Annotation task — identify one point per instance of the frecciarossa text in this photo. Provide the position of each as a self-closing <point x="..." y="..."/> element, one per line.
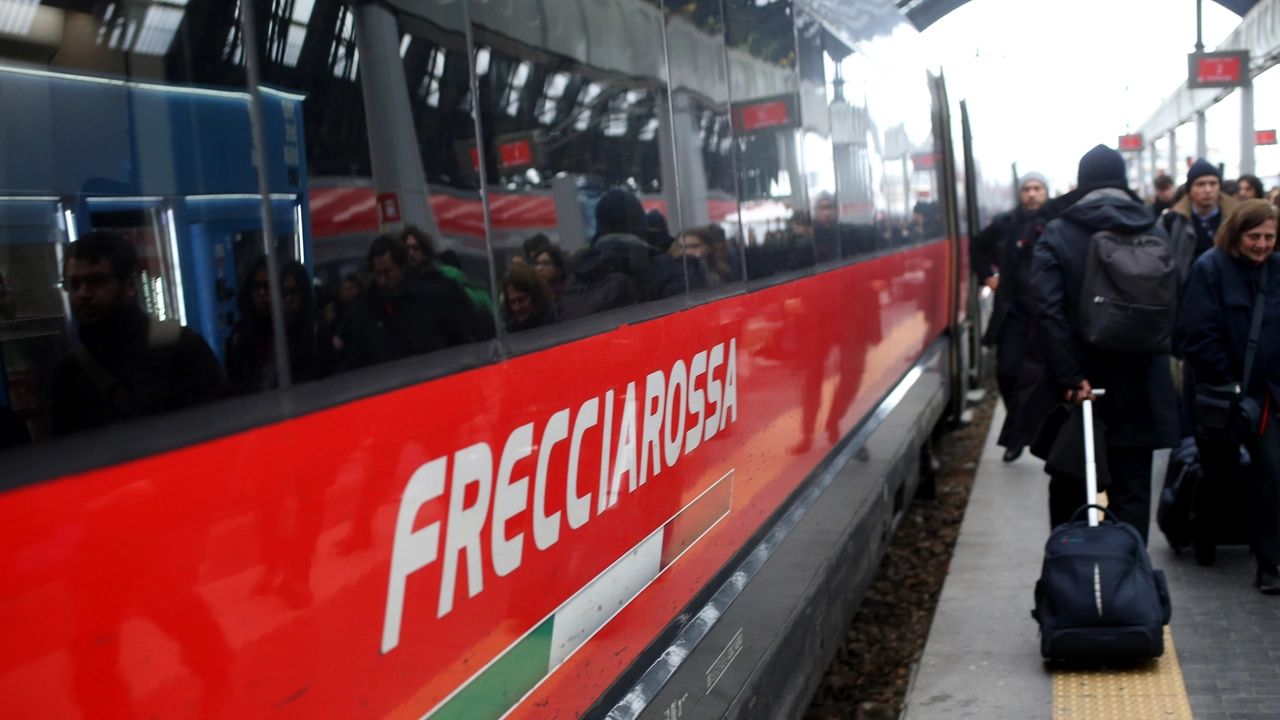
<point x="665" y="415"/>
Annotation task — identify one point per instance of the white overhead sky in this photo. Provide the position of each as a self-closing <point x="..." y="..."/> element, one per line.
<point x="1046" y="80"/>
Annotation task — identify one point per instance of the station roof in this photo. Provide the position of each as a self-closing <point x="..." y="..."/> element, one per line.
<point x="923" y="13"/>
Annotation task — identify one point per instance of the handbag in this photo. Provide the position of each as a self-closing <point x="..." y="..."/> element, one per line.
<point x="1222" y="411"/>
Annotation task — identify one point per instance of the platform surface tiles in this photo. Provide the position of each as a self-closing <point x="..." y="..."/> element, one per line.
<point x="982" y="660"/>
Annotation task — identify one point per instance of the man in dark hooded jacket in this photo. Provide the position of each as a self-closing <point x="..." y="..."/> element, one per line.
<point x="1140" y="407"/>
<point x="1007" y="243"/>
<point x="619" y="268"/>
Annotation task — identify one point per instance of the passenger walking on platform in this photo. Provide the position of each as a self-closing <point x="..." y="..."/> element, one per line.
<point x="1193" y="221"/>
<point x="1140" y="407"/>
<point x="1165" y="192"/>
<point x="1218" y="312"/>
<point x="1007" y="244"/>
<point x="400" y="315"/>
<point x="1249" y="187"/>
<point x="129" y="364"/>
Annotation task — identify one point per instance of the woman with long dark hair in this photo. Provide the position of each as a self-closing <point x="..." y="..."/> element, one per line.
<point x="1235" y="355"/>
<point x="251" y="365"/>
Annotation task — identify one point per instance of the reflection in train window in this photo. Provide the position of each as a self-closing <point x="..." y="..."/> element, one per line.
<point x="706" y="223"/>
<point x="575" y="116"/>
<point x="125" y="208"/>
<point x="768" y="136"/>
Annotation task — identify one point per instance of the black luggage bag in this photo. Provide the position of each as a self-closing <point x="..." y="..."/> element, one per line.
<point x="1098" y="599"/>
<point x="1189" y="517"/>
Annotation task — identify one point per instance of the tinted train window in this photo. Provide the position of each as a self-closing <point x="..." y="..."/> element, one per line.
<point x="705" y="225"/>
<point x="128" y="209"/>
<point x="816" y="159"/>
<point x="891" y="129"/>
<point x="575" y="119"/>
<point x="768" y="138"/>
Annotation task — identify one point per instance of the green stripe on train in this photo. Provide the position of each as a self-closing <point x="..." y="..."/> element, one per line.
<point x="501" y="685"/>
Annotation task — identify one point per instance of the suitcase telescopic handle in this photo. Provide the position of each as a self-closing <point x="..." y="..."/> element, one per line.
<point x="1090" y="463"/>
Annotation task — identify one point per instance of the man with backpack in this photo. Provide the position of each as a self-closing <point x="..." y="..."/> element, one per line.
<point x="1107" y="285"/>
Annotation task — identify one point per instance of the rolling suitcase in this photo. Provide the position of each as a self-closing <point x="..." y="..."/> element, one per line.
<point x="1098" y="600"/>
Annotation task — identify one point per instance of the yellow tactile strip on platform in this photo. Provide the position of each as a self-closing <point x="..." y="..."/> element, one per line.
<point x="1151" y="691"/>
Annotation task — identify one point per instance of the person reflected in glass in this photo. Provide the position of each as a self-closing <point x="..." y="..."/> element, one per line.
<point x="128" y="364"/>
<point x="549" y="265"/>
<point x="351" y="290"/>
<point x="535" y="246"/>
<point x="696" y="248"/>
<point x="528" y="301"/>
<point x="607" y="274"/>
<point x="251" y="355"/>
<point x="430" y="268"/>
<point x="401" y="316"/>
<point x="8" y="310"/>
<point x="826" y="228"/>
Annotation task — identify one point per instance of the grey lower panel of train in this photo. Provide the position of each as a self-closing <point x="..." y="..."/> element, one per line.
<point x="770" y="644"/>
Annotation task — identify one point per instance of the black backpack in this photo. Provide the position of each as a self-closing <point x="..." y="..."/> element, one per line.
<point x="1129" y="299"/>
<point x="1098" y="600"/>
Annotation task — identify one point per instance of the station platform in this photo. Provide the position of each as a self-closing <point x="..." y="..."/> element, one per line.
<point x="982" y="658"/>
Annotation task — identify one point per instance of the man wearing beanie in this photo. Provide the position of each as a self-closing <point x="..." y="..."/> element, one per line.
<point x="1140" y="406"/>
<point x="1006" y="244"/>
<point x="1193" y="222"/>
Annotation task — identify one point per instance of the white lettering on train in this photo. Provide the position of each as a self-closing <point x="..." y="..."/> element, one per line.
<point x="648" y="432"/>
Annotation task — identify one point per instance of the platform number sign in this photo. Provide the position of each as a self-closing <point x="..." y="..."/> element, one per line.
<point x="1266" y="137"/>
<point x="1218" y="69"/>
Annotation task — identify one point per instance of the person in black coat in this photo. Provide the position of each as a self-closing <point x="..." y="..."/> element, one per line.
<point x="129" y="364"/>
<point x="400" y="315"/>
<point x="1216" y="316"/>
<point x="251" y="356"/>
<point x="1140" y="407"/>
<point x="1007" y="244"/>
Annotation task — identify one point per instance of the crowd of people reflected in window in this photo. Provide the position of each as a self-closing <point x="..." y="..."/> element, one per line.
<point x="407" y="300"/>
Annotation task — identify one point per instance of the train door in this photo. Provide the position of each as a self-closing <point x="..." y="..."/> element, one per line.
<point x="973" y="328"/>
<point x="945" y="151"/>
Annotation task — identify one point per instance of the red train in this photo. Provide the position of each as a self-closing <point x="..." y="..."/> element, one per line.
<point x="666" y="510"/>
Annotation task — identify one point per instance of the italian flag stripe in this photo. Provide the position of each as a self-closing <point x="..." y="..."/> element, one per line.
<point x="500" y="686"/>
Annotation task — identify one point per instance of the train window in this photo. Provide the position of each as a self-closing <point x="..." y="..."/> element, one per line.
<point x="767" y="136"/>
<point x="575" y="118"/>
<point x="128" y="204"/>
<point x="706" y="224"/>
<point x="817" y="164"/>
<point x="384" y="278"/>
<point x="892" y="131"/>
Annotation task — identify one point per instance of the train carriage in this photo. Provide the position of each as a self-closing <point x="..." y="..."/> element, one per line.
<point x="665" y="510"/>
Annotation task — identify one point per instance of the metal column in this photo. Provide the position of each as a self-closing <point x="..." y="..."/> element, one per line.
<point x="1247" y="135"/>
<point x="393" y="144"/>
<point x="1173" y="155"/>
<point x="1155" y="171"/>
<point x="1202" y="143"/>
